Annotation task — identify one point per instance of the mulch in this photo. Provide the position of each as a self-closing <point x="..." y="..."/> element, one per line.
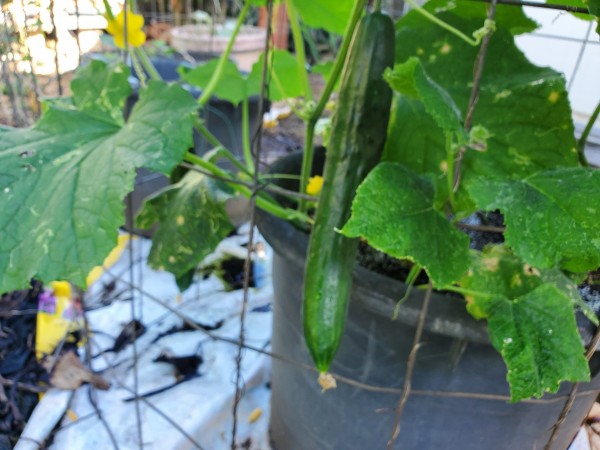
<point x="18" y="364"/>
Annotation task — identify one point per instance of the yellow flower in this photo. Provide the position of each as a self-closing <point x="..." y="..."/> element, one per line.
<point x="314" y="185"/>
<point x="135" y="22"/>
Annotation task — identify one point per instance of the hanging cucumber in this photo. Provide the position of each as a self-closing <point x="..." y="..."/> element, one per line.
<point x="357" y="137"/>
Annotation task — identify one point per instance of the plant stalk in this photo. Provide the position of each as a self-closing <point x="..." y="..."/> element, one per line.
<point x="299" y="49"/>
<point x="450" y="169"/>
<point x="442" y="24"/>
<point x="309" y="136"/>
<point x="137" y="67"/>
<point x="220" y="148"/>
<point x="246" y="136"/>
<point x="147" y="64"/>
<point x="265" y="204"/>
<point x="218" y="73"/>
<point x="586" y="133"/>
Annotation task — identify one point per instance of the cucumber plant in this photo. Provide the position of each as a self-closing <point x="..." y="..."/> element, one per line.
<point x="444" y="157"/>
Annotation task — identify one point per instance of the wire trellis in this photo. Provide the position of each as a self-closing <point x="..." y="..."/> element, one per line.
<point x="22" y="114"/>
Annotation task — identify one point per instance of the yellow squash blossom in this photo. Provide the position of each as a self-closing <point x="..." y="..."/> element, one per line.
<point x="314" y="185"/>
<point x="116" y="27"/>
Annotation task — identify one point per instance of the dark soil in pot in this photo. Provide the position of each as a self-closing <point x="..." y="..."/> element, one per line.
<point x="459" y="397"/>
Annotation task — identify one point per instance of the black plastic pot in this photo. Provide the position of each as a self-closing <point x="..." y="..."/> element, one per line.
<point x="455" y="365"/>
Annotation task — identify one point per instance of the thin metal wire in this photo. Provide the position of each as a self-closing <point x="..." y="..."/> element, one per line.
<point x="134" y="316"/>
<point x="349" y="381"/>
<point x="56" y="62"/>
<point x="580" y="56"/>
<point x="474" y="98"/>
<point x="155" y="409"/>
<point x="249" y="256"/>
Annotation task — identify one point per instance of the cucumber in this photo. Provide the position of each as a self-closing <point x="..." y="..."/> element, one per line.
<point x="357" y="138"/>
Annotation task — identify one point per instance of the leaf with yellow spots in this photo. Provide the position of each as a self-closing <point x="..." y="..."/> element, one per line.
<point x="60" y="216"/>
<point x="531" y="323"/>
<point x="568" y="227"/>
<point x="191" y="222"/>
<point x="523" y="108"/>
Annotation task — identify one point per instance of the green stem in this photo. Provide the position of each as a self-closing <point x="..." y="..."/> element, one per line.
<point x="377" y="6"/>
<point x="219" y="149"/>
<point x="279" y="176"/>
<point x="265" y="203"/>
<point x="299" y="48"/>
<point x="466" y="292"/>
<point x="442" y="24"/>
<point x="307" y="160"/>
<point x="246" y="136"/>
<point x="218" y="73"/>
<point x="205" y="132"/>
<point x="450" y="168"/>
<point x="586" y="133"/>
<point x="138" y="68"/>
<point x="147" y="64"/>
<point x="108" y="11"/>
<point x="310" y="41"/>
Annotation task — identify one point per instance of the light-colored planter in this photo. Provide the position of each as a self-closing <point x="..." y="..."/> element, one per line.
<point x="208" y="40"/>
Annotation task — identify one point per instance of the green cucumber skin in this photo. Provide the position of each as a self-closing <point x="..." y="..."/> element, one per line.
<point x="358" y="135"/>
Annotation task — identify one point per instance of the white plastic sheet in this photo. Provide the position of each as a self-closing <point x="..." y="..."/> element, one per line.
<point x="200" y="407"/>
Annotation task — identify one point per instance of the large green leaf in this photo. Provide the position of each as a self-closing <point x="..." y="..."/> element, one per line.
<point x="530" y="321"/>
<point x="285" y="81"/>
<point x="552" y="218"/>
<point x="394" y="211"/>
<point x="594" y="7"/>
<point x="524" y="108"/>
<point x="62" y="181"/>
<point x="507" y="16"/>
<point x="410" y="79"/>
<point x="327" y="14"/>
<point x="232" y="86"/>
<point x="192" y="221"/>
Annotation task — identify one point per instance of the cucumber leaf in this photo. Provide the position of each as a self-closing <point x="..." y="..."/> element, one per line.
<point x="284" y="79"/>
<point x="329" y="15"/>
<point x="524" y="108"/>
<point x="63" y="180"/>
<point x="410" y="79"/>
<point x="284" y="83"/>
<point x="232" y="86"/>
<point x="394" y="211"/>
<point x="559" y="208"/>
<point x="191" y="221"/>
<point x="594" y="7"/>
<point x="507" y="16"/>
<point x="531" y="323"/>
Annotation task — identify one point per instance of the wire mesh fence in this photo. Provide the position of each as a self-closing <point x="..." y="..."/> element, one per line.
<point x="41" y="46"/>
